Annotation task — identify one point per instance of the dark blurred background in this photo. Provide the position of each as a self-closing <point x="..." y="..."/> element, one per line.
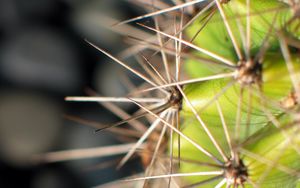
<point x="43" y="58"/>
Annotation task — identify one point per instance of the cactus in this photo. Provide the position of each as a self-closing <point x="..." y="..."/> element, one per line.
<point x="222" y="100"/>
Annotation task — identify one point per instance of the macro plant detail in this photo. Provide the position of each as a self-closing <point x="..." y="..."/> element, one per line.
<point x="219" y="102"/>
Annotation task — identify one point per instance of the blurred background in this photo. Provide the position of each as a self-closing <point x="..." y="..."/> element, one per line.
<point x="43" y="58"/>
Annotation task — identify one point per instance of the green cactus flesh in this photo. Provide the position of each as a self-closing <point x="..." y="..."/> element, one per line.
<point x="268" y="154"/>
